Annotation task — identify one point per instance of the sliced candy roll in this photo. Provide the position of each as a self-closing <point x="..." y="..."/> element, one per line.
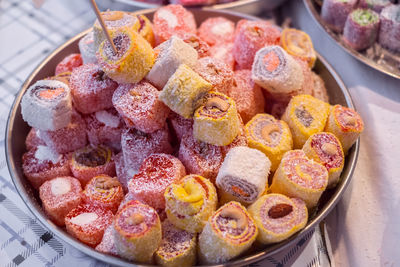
<point x="227" y="234"/>
<point x="87" y="223"/>
<point x="184" y="91"/>
<point x="33" y="139"/>
<point x="217" y="29"/>
<point x="69" y="63"/>
<point x="88" y="49"/>
<point x="243" y="175"/>
<point x="41" y="164"/>
<point x="298" y="44"/>
<point x="137" y="232"/>
<point x="91" y="89"/>
<point x="276" y="71"/>
<point x="59" y="196"/>
<point x="305" y="116"/>
<point x="139" y="106"/>
<point x="223" y="52"/>
<point x="375" y="5"/>
<point x="170" y="55"/>
<point x="216" y="122"/>
<point x="172" y="20"/>
<point x="361" y="28"/>
<point x="335" y="12"/>
<point x="300" y="177"/>
<point x="145" y="28"/>
<point x="346" y="124"/>
<point x="107" y="244"/>
<point x="47" y="105"/>
<point x="319" y="89"/>
<point x="325" y="148"/>
<point x="178" y="247"/>
<point x="389" y="30"/>
<point x="180" y="125"/>
<point x="91" y="161"/>
<point x="156" y="173"/>
<point x="199" y="157"/>
<point x="190" y="202"/>
<point x="270" y="136"/>
<point x="198" y="44"/>
<point x="104" y="191"/>
<point x="133" y="60"/>
<point x="278" y="217"/>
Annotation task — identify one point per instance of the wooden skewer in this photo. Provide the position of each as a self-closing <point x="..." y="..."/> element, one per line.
<point x="103" y="25"/>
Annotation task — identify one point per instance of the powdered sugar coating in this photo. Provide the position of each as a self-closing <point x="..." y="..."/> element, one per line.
<point x="107" y="244"/>
<point x="33" y="139"/>
<point x="87" y="49"/>
<point x="197" y="43"/>
<point x="44" y="153"/>
<point x="217" y="29"/>
<point x="180" y="125"/>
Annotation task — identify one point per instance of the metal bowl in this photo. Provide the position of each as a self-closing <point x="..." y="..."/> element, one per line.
<point x="17" y="131"/>
<point x="376" y="57"/>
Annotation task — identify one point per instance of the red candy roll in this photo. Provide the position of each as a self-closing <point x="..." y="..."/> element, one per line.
<point x="137" y="145"/>
<point x="217" y="29"/>
<point x="198" y="44"/>
<point x="41" y="164"/>
<point x="69" y="63"/>
<point x="91" y="161"/>
<point x="139" y="106"/>
<point x="223" y="52"/>
<point x="156" y="173"/>
<point x="87" y="223"/>
<point x="199" y="157"/>
<point x="107" y="244"/>
<point x="59" y="196"/>
<point x="335" y="12"/>
<point x="180" y="125"/>
<point x="33" y="139"/>
<point x="91" y="89"/>
<point x="250" y="37"/>
<point x="172" y="20"/>
<point x="104" y="191"/>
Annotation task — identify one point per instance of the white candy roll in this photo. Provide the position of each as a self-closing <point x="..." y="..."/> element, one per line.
<point x="88" y="49"/>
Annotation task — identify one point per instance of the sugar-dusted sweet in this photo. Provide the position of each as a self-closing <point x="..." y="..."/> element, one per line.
<point x="91" y="161"/>
<point x="298" y="44"/>
<point x="389" y="30"/>
<point x="145" y="28"/>
<point x="190" y="202"/>
<point x="47" y="105"/>
<point x="300" y="177"/>
<point x="69" y="63"/>
<point x="87" y="223"/>
<point x="180" y="125"/>
<point x="199" y="157"/>
<point x="87" y="48"/>
<point x="305" y="116"/>
<point x="172" y="20"/>
<point x="243" y="175"/>
<point x="133" y="60"/>
<point x="104" y="191"/>
<point x="156" y="173"/>
<point x="139" y="106"/>
<point x="137" y="145"/>
<point x="375" y="5"/>
<point x="137" y="232"/>
<point x="107" y="244"/>
<point x="334" y="13"/>
<point x="270" y="136"/>
<point x="215" y="72"/>
<point x="216" y="121"/>
<point x="41" y="164"/>
<point x="177" y="248"/>
<point x="278" y="217"/>
<point x="217" y="29"/>
<point x="227" y="234"/>
<point x="59" y="196"/>
<point x="325" y="148"/>
<point x="346" y="124"/>
<point x="319" y="90"/>
<point x="198" y="44"/>
<point x="33" y="139"/>
<point x="184" y="91"/>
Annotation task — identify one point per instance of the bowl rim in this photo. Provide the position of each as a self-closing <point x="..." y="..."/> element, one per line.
<point x="248" y="259"/>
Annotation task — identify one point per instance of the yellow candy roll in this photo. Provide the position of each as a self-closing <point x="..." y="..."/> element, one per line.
<point x="270" y="136"/>
<point x="190" y="203"/>
<point x="305" y="116"/>
<point x="178" y="247"/>
<point x="227" y="234"/>
<point x="137" y="232"/>
<point x="145" y="28"/>
<point x="346" y="124"/>
<point x="216" y="122"/>
<point x="133" y="61"/>
<point x="300" y="177"/>
<point x="278" y="217"/>
<point x="184" y="91"/>
<point x="325" y="148"/>
<point x="298" y="44"/>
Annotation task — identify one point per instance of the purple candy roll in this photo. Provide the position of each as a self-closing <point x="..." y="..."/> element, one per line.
<point x="375" y="5"/>
<point x="335" y="12"/>
<point x="389" y="33"/>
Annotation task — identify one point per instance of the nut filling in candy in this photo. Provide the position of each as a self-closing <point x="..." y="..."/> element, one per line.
<point x="298" y="44"/>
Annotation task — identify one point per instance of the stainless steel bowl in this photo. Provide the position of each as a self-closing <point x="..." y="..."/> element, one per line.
<point x="17" y="130"/>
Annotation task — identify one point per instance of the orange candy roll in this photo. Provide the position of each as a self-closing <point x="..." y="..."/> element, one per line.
<point x="298" y="44"/>
<point x="346" y="124"/>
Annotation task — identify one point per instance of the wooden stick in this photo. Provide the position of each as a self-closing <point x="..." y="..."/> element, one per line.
<point x="103" y="25"/>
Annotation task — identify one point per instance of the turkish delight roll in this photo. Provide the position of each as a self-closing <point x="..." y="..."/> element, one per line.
<point x="69" y="63"/>
<point x="298" y="44"/>
<point x="227" y="234"/>
<point x="145" y="28"/>
<point x="198" y="44"/>
<point x="335" y="12"/>
<point x="88" y="49"/>
<point x="389" y="31"/>
<point x="217" y="29"/>
<point x="278" y="217"/>
<point x="47" y="105"/>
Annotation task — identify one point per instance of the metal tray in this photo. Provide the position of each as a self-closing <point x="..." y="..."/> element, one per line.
<point x="376" y="57"/>
<point x="17" y="131"/>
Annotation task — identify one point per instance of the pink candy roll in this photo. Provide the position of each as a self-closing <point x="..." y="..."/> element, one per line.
<point x="41" y="164"/>
<point x="389" y="31"/>
<point x="59" y="196"/>
<point x="69" y="63"/>
<point x="217" y="29"/>
<point x="198" y="44"/>
<point x="33" y="139"/>
<point x="335" y="12"/>
<point x="180" y="125"/>
<point x="224" y="53"/>
<point x="91" y="89"/>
